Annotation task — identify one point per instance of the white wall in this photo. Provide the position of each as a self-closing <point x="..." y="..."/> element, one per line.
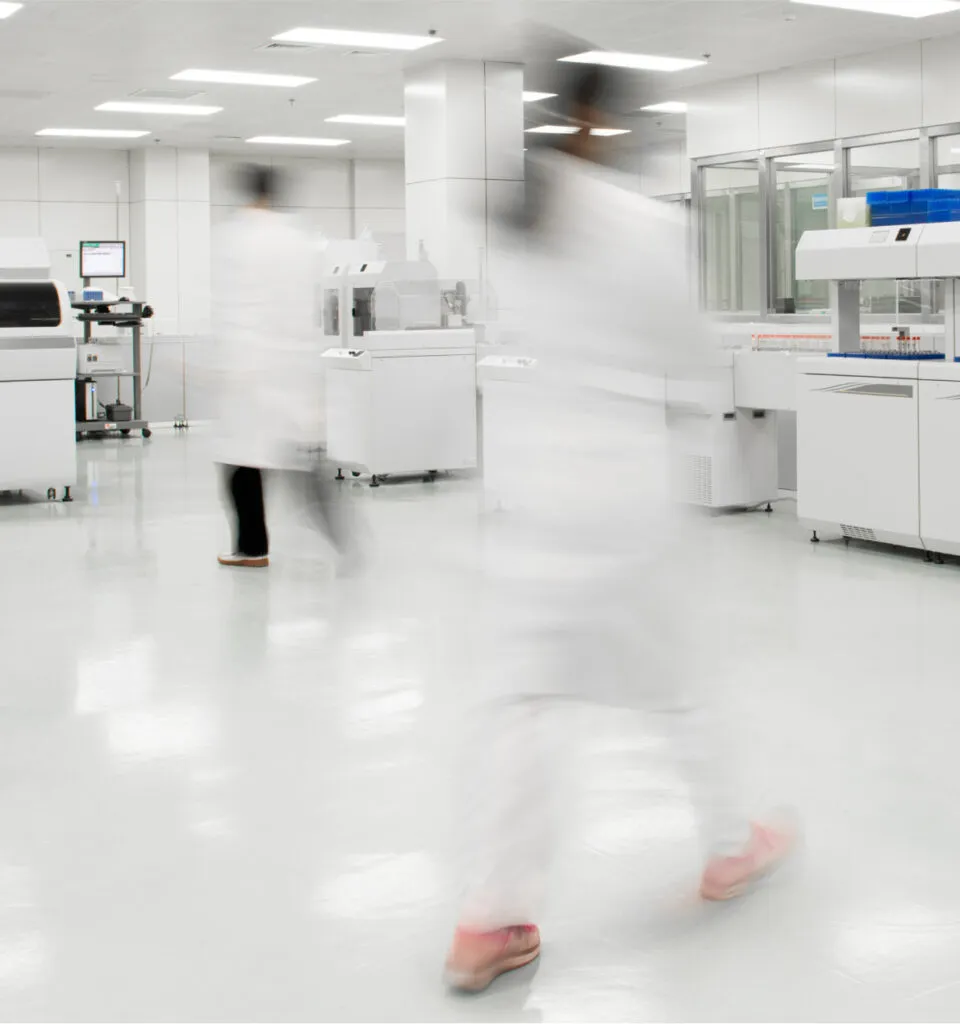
<point x="337" y="198"/>
<point x="664" y="168"/>
<point x="906" y="87"/>
<point x="65" y="195"/>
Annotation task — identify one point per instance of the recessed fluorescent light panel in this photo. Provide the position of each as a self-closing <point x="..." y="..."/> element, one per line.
<point x="93" y="133"/>
<point x="566" y="129"/>
<point x="553" y="129"/>
<point x="536" y="97"/>
<point x="180" y="109"/>
<point x="241" y="78"/>
<point x="362" y="40"/>
<point x="901" y="8"/>
<point x="670" y="107"/>
<point x="296" y="140"/>
<point x="637" y="61"/>
<point x="6" y="9"/>
<point x="370" y="119"/>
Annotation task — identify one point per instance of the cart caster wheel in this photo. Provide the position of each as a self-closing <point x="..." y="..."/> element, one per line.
<point x="51" y="494"/>
<point x="126" y="433"/>
<point x="147" y="432"/>
<point x="354" y="474"/>
<point x="339" y="475"/>
<point x="67" y="496"/>
<point x="814" y="539"/>
<point x="375" y="481"/>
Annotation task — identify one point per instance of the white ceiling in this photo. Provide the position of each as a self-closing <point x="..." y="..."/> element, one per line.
<point x="60" y="58"/>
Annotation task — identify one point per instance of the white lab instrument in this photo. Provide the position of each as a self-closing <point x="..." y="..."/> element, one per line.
<point x="337" y="256"/>
<point x="729" y="459"/>
<point x="403" y="402"/>
<point x="38" y="364"/>
<point x="876" y="436"/>
<point x="729" y="454"/>
<point x="392" y="296"/>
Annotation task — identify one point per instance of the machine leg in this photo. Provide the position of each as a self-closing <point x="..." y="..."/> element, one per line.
<point x="339" y="475"/>
<point x="375" y="481"/>
<point x="769" y="507"/>
<point x="180" y="423"/>
<point x="814" y="539"/>
<point x="67" y="496"/>
<point x="51" y="494"/>
<point x="928" y="556"/>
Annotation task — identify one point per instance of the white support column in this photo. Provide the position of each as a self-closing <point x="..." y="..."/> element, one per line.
<point x="170" y="237"/>
<point x="464" y="164"/>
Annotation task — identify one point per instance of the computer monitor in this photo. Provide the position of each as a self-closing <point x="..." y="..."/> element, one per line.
<point x="103" y="259"/>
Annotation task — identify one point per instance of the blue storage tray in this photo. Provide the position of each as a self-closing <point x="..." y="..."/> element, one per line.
<point x="881" y="217"/>
<point x="926" y="356"/>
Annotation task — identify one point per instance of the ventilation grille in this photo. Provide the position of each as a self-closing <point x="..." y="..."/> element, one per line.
<point x="858" y="533"/>
<point x="166" y="95"/>
<point x="697" y="480"/>
<point x="24" y="94"/>
<point x="272" y="47"/>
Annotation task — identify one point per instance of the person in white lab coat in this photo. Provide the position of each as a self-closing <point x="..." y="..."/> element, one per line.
<point x="267" y="355"/>
<point x="585" y="580"/>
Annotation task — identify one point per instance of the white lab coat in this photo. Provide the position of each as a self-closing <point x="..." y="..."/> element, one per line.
<point x="584" y="585"/>
<point x="267" y="344"/>
<point x="584" y="558"/>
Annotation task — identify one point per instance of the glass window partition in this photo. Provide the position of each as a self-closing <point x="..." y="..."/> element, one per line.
<point x="948" y="161"/>
<point x="887" y="167"/>
<point x="731" y="237"/>
<point x="802" y="186"/>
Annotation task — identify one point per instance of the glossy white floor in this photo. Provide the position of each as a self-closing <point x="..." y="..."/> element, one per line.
<point x="224" y="797"/>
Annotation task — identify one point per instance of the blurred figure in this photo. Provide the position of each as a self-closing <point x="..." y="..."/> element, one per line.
<point x="586" y="582"/>
<point x="268" y="361"/>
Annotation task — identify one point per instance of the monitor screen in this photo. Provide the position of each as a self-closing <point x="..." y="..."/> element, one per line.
<point x="103" y="259"/>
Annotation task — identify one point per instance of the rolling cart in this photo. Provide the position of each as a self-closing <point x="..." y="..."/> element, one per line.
<point x="99" y="313"/>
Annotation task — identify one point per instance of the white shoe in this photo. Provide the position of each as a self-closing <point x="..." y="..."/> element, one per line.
<point x="244" y="561"/>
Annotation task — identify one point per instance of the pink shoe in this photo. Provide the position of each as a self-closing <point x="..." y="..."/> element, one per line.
<point x="727" y="877"/>
<point x="477" y="958"/>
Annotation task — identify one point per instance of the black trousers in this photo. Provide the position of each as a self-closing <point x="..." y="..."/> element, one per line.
<point x="246" y="491"/>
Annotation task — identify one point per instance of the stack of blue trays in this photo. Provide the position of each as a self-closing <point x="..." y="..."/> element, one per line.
<point x="914" y="206"/>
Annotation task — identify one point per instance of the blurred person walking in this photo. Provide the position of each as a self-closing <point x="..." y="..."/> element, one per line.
<point x="585" y="587"/>
<point x="268" y="363"/>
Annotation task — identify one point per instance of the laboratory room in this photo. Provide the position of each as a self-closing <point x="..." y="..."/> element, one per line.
<point x="479" y="513"/>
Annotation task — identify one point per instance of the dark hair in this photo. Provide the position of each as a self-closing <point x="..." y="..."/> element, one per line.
<point x="260" y="184"/>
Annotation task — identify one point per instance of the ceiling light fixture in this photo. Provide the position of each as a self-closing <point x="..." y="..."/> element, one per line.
<point x="123" y="107"/>
<point x="568" y="129"/>
<point x="537" y="97"/>
<point x="295" y="140"/>
<point x="901" y="8"/>
<point x="553" y="129"/>
<point x="369" y="119"/>
<point x="669" y="107"/>
<point x="6" y="9"/>
<point x="637" y="61"/>
<point x="93" y="133"/>
<point x="241" y="78"/>
<point x="349" y="38"/>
